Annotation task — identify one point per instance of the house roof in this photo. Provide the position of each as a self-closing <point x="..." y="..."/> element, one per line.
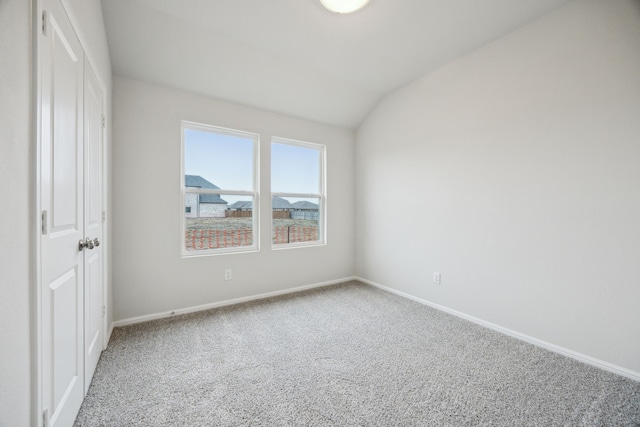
<point x="242" y="204"/>
<point x="276" y="203"/>
<point x="280" y="203"/>
<point x="306" y="205"/>
<point x="196" y="181"/>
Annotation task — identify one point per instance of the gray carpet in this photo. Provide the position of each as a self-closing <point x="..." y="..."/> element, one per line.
<point x="345" y="355"/>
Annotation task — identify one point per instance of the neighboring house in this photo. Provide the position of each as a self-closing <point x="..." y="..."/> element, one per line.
<point x="305" y="210"/>
<point x="277" y="204"/>
<point x="281" y="209"/>
<point x="280" y="204"/>
<point x="202" y="205"/>
<point x="241" y="206"/>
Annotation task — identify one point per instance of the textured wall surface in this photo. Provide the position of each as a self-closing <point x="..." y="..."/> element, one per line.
<point x="518" y="169"/>
<point x="15" y="233"/>
<point x="152" y="277"/>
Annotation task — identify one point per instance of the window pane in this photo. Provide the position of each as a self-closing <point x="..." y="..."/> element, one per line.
<point x="217" y="222"/>
<point x="294" y="169"/>
<point x="295" y="220"/>
<point x="224" y="161"/>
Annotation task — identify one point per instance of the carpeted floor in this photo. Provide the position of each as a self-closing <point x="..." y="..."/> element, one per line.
<point x="345" y="355"/>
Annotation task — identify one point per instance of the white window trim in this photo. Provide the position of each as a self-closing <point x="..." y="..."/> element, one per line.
<point x="255" y="193"/>
<point x="321" y="196"/>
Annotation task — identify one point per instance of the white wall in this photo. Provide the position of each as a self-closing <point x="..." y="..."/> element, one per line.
<point x="191" y="200"/>
<point x="149" y="274"/>
<point x="211" y="210"/>
<point x="515" y="172"/>
<point x="15" y="231"/>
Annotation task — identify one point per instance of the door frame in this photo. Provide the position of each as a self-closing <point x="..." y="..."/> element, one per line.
<point x="35" y="315"/>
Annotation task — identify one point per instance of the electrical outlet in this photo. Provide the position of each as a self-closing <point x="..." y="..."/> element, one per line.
<point x="228" y="275"/>
<point x="436" y="278"/>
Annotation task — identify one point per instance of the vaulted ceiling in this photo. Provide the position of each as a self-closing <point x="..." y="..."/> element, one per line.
<point x="296" y="58"/>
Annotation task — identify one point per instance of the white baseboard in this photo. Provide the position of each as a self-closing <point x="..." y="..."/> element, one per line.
<point x="531" y="340"/>
<point x="148" y="317"/>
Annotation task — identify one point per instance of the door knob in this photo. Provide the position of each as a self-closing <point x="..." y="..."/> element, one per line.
<point x="96" y="242"/>
<point x="86" y="243"/>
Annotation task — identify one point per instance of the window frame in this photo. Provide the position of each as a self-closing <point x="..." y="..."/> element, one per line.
<point x="321" y="196"/>
<point x="255" y="194"/>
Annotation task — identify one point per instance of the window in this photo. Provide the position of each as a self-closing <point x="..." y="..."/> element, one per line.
<point x="297" y="193"/>
<point x="218" y="175"/>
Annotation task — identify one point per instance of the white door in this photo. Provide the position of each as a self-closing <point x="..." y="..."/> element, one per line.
<point x="93" y="291"/>
<point x="61" y="192"/>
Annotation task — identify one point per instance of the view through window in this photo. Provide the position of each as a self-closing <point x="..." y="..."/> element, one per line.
<point x="297" y="193"/>
<point x="219" y="190"/>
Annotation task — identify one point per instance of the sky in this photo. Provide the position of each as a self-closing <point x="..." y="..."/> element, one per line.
<point x="227" y="162"/>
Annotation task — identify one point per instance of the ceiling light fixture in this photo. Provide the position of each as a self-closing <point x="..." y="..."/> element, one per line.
<point x="344" y="6"/>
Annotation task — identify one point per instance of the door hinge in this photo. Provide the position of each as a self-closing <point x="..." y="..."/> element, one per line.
<point x="44" y="23"/>
<point x="104" y="122"/>
<point x="45" y="417"/>
<point x="104" y="216"/>
<point x="44" y="222"/>
<point x="104" y="311"/>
